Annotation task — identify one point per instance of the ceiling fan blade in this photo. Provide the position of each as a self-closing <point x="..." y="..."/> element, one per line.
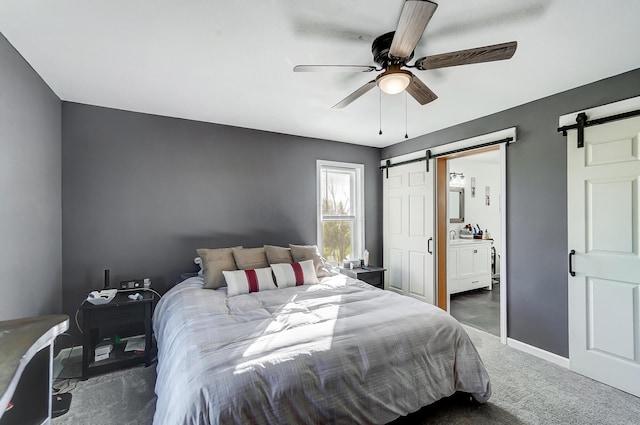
<point x="420" y="91"/>
<point x="495" y="52"/>
<point x="333" y="68"/>
<point x="413" y="20"/>
<point x="356" y="94"/>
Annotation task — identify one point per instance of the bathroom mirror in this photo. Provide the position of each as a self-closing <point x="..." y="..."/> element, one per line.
<point x="456" y="205"/>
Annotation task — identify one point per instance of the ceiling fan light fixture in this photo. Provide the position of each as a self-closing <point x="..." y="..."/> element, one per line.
<point x="394" y="81"/>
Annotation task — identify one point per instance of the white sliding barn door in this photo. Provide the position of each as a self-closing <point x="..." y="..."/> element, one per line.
<point x="604" y="230"/>
<point x="408" y="221"/>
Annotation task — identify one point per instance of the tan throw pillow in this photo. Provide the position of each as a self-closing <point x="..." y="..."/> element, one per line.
<point x="310" y="252"/>
<point x="214" y="262"/>
<point x="278" y="254"/>
<point x="250" y="258"/>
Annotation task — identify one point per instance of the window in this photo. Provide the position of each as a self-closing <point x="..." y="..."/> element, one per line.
<point x="340" y="211"/>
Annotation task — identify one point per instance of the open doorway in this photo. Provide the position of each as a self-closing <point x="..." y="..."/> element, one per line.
<point x="473" y="278"/>
<point x="474" y="226"/>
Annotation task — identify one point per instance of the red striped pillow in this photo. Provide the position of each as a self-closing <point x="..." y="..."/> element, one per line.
<point x="295" y="274"/>
<point x="246" y="281"/>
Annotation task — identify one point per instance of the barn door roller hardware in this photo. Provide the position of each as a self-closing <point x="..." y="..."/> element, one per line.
<point x="388" y="163"/>
<point x="428" y="156"/>
<point x="582" y="121"/>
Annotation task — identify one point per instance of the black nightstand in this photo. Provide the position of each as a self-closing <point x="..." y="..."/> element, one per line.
<point x="122" y="317"/>
<point x="372" y="275"/>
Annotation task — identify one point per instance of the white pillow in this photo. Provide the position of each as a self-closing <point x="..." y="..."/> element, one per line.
<point x="246" y="281"/>
<point x="295" y="274"/>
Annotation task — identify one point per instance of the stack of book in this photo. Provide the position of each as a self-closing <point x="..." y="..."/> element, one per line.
<point x="103" y="349"/>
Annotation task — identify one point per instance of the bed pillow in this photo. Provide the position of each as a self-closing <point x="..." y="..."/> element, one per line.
<point x="295" y="274"/>
<point x="310" y="252"/>
<point x="214" y="262"/>
<point x="278" y="254"/>
<point x="250" y="258"/>
<point x="247" y="281"/>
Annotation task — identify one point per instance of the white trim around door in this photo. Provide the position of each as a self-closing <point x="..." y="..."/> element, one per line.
<point x="460" y="144"/>
<point x="503" y="257"/>
<point x="602" y="111"/>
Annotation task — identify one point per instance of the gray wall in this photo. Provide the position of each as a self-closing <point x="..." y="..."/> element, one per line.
<point x="142" y="192"/>
<point x="537" y="204"/>
<point x="30" y="171"/>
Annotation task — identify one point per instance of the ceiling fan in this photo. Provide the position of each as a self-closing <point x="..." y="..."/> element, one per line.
<point x="393" y="50"/>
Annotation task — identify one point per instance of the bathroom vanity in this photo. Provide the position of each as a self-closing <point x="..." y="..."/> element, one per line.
<point x="468" y="265"/>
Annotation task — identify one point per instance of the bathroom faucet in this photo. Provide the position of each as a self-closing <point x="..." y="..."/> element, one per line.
<point x="452" y="234"/>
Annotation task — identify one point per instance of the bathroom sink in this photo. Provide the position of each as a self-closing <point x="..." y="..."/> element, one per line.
<point x="461" y="241"/>
<point x="458" y="241"/>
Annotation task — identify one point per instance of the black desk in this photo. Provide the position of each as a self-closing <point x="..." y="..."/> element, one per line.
<point x="122" y="317"/>
<point x="26" y="356"/>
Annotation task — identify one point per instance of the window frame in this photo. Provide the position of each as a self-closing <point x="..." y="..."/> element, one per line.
<point x="358" y="209"/>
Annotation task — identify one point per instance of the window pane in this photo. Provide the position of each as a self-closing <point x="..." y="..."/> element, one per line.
<point x="337" y="187"/>
<point x="337" y="240"/>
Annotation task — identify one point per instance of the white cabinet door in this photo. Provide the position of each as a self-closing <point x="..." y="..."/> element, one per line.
<point x="408" y="222"/>
<point x="465" y="264"/>
<point x="604" y="230"/>
<point x="452" y="271"/>
<point x="452" y="263"/>
<point x="471" y="268"/>
<point x="482" y="259"/>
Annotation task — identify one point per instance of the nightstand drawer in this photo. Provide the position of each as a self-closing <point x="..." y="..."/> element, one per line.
<point x="117" y="316"/>
<point x="373" y="279"/>
<point x="374" y="276"/>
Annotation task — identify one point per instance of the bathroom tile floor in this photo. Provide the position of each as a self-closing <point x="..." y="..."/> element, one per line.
<point x="479" y="308"/>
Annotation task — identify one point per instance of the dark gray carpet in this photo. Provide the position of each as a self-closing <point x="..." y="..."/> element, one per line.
<point x="122" y="397"/>
<point x="526" y="390"/>
<point x="479" y="308"/>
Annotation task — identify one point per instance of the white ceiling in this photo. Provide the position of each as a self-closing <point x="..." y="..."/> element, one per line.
<point x="231" y="62"/>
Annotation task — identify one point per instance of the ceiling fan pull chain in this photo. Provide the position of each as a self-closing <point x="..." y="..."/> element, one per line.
<point x="380" y="109"/>
<point x="406" y="132"/>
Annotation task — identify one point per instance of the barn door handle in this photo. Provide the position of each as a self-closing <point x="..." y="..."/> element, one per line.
<point x="429" y="246"/>
<point x="571" y="254"/>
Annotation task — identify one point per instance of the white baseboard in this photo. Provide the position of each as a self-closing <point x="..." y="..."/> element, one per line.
<point x="538" y="352"/>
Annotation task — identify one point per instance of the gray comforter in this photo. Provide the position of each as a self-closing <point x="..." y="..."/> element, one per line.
<point x="338" y="352"/>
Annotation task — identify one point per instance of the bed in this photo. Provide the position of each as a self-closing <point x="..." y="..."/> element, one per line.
<point x="340" y="351"/>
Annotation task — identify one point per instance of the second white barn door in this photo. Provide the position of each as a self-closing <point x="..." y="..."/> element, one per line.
<point x="604" y="243"/>
<point x="409" y="230"/>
